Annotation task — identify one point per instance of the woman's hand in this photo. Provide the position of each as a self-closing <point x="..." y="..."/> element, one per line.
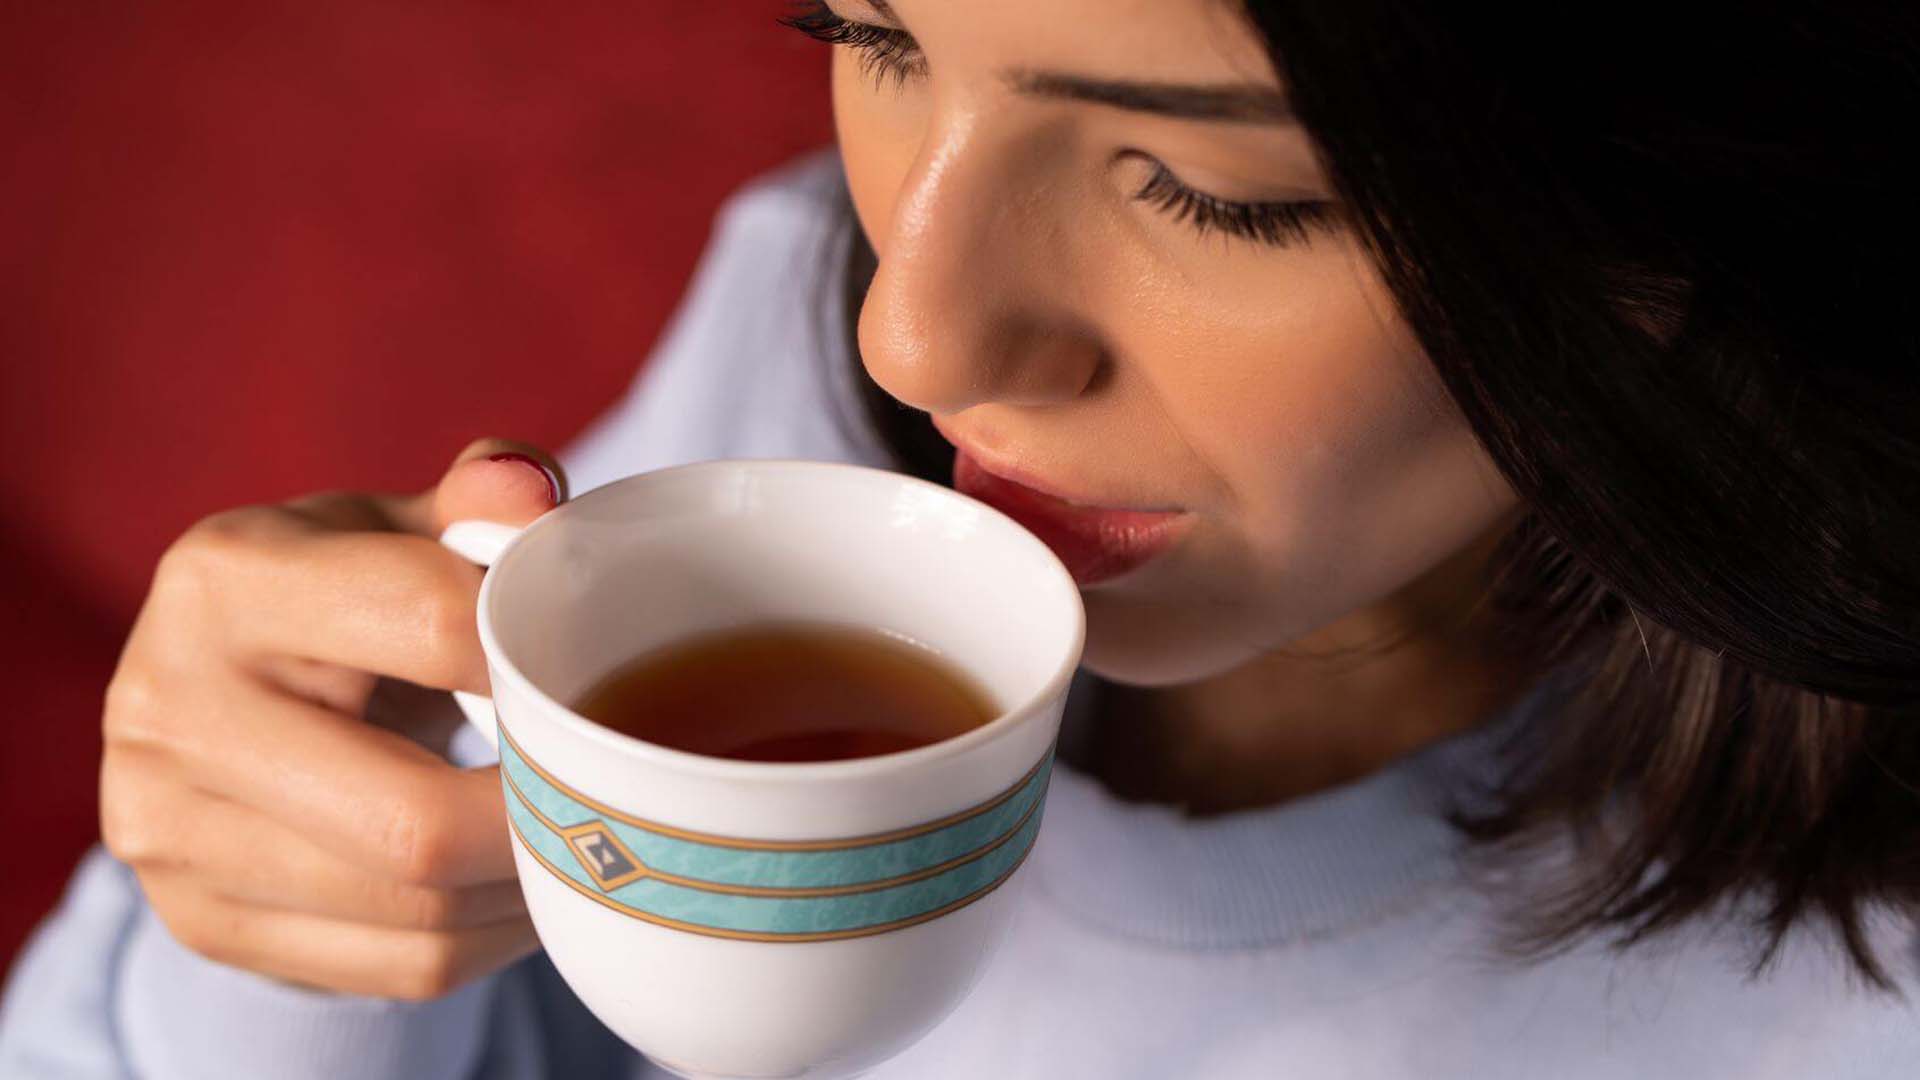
<point x="271" y="826"/>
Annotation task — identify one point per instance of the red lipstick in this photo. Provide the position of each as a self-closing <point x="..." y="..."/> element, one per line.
<point x="1095" y="543"/>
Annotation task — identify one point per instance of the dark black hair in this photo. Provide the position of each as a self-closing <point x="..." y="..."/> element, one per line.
<point x="1659" y="260"/>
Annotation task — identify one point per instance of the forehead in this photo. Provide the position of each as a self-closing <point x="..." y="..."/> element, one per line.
<point x="1183" y="41"/>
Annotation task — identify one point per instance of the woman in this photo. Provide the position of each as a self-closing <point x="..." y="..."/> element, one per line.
<point x="1526" y="684"/>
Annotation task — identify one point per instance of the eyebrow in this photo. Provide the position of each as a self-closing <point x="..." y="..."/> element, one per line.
<point x="1247" y="103"/>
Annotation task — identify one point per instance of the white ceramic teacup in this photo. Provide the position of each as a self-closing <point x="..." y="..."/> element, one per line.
<point x="746" y="919"/>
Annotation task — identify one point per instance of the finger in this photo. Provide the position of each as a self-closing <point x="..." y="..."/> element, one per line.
<point x="319" y="579"/>
<point x="335" y="955"/>
<point x="367" y="795"/>
<point x="381" y="603"/>
<point x="341" y="689"/>
<point x="252" y="859"/>
<point x="491" y="480"/>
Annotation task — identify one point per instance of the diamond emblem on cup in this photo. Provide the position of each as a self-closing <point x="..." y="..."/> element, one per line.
<point x="603" y="856"/>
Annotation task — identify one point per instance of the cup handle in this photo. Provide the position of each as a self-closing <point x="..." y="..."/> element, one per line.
<point x="480" y="542"/>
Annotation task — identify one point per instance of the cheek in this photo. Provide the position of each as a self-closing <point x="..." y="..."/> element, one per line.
<point x="1291" y="375"/>
<point x="1348" y="474"/>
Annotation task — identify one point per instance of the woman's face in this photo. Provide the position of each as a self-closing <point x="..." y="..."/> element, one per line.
<point x="1109" y="267"/>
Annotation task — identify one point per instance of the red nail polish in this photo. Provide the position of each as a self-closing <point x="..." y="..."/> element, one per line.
<point x="553" y="482"/>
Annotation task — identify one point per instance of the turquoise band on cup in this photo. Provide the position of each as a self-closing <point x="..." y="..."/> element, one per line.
<point x="770" y="890"/>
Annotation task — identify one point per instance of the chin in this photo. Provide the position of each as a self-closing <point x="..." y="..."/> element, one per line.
<point x="1139" y="641"/>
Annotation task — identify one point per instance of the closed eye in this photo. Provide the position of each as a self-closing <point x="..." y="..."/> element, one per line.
<point x="1277" y="224"/>
<point x="886" y="54"/>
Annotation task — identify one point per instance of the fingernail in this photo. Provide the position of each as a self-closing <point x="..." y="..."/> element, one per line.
<point x="553" y="482"/>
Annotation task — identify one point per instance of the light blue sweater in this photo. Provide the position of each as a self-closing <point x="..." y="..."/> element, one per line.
<point x="1333" y="937"/>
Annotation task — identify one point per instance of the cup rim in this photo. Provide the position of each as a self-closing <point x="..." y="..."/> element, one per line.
<point x="1010" y="719"/>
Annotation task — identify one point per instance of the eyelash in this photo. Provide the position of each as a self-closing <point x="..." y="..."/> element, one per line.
<point x="885" y="53"/>
<point x="889" y="54"/>
<point x="1277" y="224"/>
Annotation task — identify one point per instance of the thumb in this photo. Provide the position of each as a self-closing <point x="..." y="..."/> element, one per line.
<point x="494" y="480"/>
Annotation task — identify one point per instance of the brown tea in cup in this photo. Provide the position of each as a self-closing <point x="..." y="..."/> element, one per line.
<point x="789" y="692"/>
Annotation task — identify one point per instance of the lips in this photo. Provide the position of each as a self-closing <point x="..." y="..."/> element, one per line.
<point x="1095" y="543"/>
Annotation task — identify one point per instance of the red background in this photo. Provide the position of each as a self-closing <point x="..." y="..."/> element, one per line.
<point x="254" y="249"/>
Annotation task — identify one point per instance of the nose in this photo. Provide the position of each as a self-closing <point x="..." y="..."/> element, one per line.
<point x="971" y="301"/>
